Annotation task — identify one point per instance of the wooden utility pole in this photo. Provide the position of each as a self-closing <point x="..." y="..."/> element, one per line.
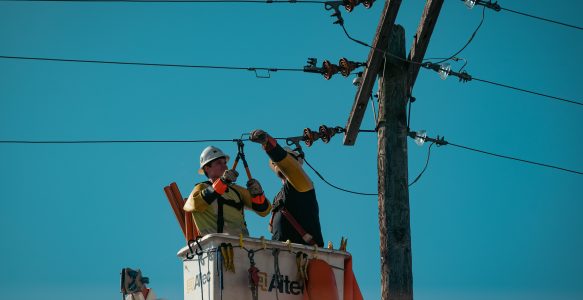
<point x="396" y="84"/>
<point x="396" y="263"/>
<point x="374" y="62"/>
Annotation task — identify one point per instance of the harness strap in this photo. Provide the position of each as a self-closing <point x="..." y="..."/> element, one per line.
<point x="290" y="218"/>
<point x="220" y="210"/>
<point x="220" y="217"/>
<point x="305" y="236"/>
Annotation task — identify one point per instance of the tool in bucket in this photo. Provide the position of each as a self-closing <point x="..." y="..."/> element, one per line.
<point x="257" y="199"/>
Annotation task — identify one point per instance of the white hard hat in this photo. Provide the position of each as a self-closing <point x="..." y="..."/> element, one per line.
<point x="209" y="154"/>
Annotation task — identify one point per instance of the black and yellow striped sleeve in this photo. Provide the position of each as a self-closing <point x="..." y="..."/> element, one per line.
<point x="261" y="209"/>
<point x="291" y="169"/>
<point x="200" y="198"/>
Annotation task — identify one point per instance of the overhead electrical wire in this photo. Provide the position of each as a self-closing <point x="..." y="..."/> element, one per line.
<point x="442" y="142"/>
<point x="516" y="159"/>
<point x="527" y="91"/>
<point x="425" y="167"/>
<point x="426" y="64"/>
<point x="172" y="141"/>
<point x="412" y="134"/>
<point x="178" y="1"/>
<point x="541" y="18"/>
<point x="153" y="64"/>
<point x="465" y="79"/>
<point x="496" y="7"/>
<point x="340" y="21"/>
<point x="469" y="40"/>
<point x="334" y="186"/>
<point x="114" y="141"/>
<point x="253" y="69"/>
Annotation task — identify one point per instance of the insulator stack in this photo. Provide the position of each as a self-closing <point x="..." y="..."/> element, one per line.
<point x="326" y="133"/>
<point x="347" y="66"/>
<point x="368" y="3"/>
<point x="329" y="69"/>
<point x="310" y="136"/>
<point x="349" y="5"/>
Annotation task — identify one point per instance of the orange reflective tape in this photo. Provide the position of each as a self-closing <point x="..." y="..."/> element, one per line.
<point x="259" y="199"/>
<point x="220" y="186"/>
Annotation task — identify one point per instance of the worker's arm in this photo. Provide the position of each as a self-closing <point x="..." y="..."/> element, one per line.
<point x="257" y="203"/>
<point x="204" y="193"/>
<point x="283" y="161"/>
<point x="200" y="198"/>
<point x="290" y="168"/>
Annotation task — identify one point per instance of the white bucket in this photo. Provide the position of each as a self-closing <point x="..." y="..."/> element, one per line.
<point x="202" y="279"/>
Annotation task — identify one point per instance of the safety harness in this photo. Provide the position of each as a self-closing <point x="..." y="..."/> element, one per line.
<point x="221" y="202"/>
<point x="280" y="206"/>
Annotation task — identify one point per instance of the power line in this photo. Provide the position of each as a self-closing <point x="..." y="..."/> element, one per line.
<point x="542" y="19"/>
<point x="527" y="91"/>
<point x="424" y="168"/>
<point x="178" y="1"/>
<point x="336" y="187"/>
<point x="469" y="40"/>
<point x="465" y="77"/>
<point x="255" y="69"/>
<point x="496" y="7"/>
<point x="170" y="141"/>
<point x="299" y="138"/>
<point x="516" y="159"/>
<point x="442" y="142"/>
<point x="115" y="141"/>
<point x="462" y="75"/>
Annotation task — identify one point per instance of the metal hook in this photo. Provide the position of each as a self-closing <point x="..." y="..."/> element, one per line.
<point x="262" y="76"/>
<point x="329" y="5"/>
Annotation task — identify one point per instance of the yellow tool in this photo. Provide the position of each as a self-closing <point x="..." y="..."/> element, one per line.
<point x="231" y="258"/>
<point x="343" y="243"/>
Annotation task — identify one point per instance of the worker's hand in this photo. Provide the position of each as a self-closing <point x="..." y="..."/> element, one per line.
<point x="263" y="138"/>
<point x="254" y="187"/>
<point x="230" y="176"/>
<point x="258" y="136"/>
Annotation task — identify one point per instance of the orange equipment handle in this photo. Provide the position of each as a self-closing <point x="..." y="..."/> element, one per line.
<point x="178" y="212"/>
<point x="185" y="220"/>
<point x="241" y="155"/>
<point x="235" y="163"/>
<point x="192" y="231"/>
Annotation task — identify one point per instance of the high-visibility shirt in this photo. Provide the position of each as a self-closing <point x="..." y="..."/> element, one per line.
<point x="206" y="208"/>
<point x="298" y="196"/>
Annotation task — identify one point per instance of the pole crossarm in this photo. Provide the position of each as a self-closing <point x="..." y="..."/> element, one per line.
<point x="422" y="37"/>
<point x="375" y="59"/>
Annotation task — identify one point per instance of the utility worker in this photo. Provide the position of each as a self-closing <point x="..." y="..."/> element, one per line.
<point x="217" y="204"/>
<point x="295" y="213"/>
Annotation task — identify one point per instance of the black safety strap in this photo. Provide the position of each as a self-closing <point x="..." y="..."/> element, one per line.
<point x="279" y="206"/>
<point x="220" y="217"/>
<point x="220" y="210"/>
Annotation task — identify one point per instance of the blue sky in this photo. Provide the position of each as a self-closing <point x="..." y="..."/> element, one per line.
<point x="71" y="216"/>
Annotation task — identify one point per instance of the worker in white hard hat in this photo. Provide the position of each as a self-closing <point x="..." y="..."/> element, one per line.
<point x="295" y="213"/>
<point x="217" y="204"/>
